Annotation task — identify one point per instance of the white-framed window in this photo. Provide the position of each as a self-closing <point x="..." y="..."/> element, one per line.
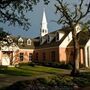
<point x="20" y="41"/>
<point x="21" y="56"/>
<point x="30" y="56"/>
<point x="29" y="42"/>
<point x="78" y="28"/>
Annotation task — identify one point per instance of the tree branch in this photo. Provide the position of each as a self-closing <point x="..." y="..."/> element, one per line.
<point x="64" y="10"/>
<point x="85" y="14"/>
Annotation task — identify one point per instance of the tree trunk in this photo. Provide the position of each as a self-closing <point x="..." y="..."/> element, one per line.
<point x="75" y="70"/>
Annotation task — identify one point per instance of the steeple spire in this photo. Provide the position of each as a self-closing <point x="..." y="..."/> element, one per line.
<point x="44" y="20"/>
<point x="44" y="28"/>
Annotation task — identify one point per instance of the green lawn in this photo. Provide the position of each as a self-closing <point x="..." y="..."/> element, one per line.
<point x="11" y="75"/>
<point x="30" y="71"/>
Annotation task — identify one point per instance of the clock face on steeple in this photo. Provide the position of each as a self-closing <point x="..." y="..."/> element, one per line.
<point x="78" y="28"/>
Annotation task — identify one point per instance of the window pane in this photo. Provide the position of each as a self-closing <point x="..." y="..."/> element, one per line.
<point x="21" y="56"/>
<point x="44" y="56"/>
<point x="53" y="56"/>
<point x="30" y="56"/>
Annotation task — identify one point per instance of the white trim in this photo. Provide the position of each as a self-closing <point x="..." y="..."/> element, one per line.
<point x="29" y="41"/>
<point x="20" y="40"/>
<point x="86" y="53"/>
<point x="86" y="63"/>
<point x="66" y="41"/>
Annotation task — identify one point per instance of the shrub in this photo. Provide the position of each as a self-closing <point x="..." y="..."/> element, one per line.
<point x="55" y="64"/>
<point x="26" y="64"/>
<point x="17" y="65"/>
<point x="31" y="64"/>
<point x="3" y="67"/>
<point x="42" y="80"/>
<point x="46" y="83"/>
<point x="82" y="82"/>
<point x="23" y="64"/>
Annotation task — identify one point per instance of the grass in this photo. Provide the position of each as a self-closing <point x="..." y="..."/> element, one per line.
<point x="29" y="71"/>
<point x="10" y="75"/>
<point x="25" y="72"/>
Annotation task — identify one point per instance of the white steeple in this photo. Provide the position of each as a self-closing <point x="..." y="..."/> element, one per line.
<point x="44" y="28"/>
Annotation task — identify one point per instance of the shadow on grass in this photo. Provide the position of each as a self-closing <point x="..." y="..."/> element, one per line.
<point x="40" y="71"/>
<point x="23" y="72"/>
<point x="14" y="72"/>
<point x="29" y="71"/>
<point x="46" y="70"/>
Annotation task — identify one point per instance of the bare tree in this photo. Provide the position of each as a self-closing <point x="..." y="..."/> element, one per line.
<point x="72" y="18"/>
<point x="14" y="11"/>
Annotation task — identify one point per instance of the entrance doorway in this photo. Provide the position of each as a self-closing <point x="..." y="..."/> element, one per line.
<point x="7" y="58"/>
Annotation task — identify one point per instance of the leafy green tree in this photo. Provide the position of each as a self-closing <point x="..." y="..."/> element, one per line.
<point x="13" y="11"/>
<point x="2" y="34"/>
<point x="71" y="16"/>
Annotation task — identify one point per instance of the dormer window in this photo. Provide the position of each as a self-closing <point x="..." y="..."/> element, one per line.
<point x="8" y="36"/>
<point x="9" y="39"/>
<point x="78" y="28"/>
<point x="29" y="42"/>
<point x="20" y="41"/>
<point x="59" y="35"/>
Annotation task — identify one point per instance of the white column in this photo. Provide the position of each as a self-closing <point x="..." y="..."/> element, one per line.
<point x="89" y="55"/>
<point x="86" y="58"/>
<point x="0" y="57"/>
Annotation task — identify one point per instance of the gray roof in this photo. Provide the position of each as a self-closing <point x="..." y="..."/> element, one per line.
<point x="53" y="43"/>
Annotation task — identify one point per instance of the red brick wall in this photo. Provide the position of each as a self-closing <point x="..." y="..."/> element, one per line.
<point x="61" y="54"/>
<point x="25" y="52"/>
<point x="66" y="55"/>
<point x="47" y="52"/>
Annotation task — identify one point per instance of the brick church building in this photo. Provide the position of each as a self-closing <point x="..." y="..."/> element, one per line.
<point x="55" y="46"/>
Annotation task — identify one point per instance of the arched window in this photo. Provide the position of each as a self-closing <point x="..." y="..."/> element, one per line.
<point x="43" y="31"/>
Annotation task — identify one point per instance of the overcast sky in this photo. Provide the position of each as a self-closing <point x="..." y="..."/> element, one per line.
<point x="35" y="19"/>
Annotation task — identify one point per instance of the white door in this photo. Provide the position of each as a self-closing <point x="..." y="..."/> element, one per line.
<point x="5" y="60"/>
